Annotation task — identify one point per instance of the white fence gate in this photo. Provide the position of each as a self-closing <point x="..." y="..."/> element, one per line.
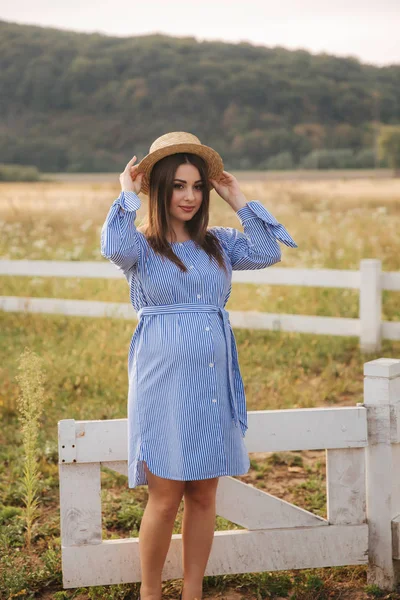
<point x="362" y="446"/>
<point x="370" y="280"/>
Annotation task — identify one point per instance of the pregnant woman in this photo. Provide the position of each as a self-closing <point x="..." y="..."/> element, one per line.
<point x="186" y="403"/>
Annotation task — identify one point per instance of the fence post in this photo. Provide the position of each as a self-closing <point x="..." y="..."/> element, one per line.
<point x="370" y="304"/>
<point x="381" y="400"/>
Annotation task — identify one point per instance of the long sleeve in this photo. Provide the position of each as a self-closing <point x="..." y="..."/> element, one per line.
<point x="119" y="236"/>
<point x="257" y="247"/>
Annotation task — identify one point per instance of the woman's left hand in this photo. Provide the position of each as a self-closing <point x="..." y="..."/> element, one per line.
<point x="228" y="188"/>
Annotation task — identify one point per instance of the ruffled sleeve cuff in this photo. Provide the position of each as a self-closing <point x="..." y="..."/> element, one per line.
<point x="129" y="201"/>
<point x="254" y="209"/>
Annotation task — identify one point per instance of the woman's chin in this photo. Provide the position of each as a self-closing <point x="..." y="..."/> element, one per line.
<point x="187" y="217"/>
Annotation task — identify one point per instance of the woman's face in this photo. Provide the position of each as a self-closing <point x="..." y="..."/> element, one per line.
<point x="187" y="192"/>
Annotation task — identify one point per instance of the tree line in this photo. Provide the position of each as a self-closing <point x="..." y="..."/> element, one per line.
<point x="88" y="102"/>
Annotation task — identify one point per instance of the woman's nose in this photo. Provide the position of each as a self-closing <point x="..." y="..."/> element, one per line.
<point x="190" y="194"/>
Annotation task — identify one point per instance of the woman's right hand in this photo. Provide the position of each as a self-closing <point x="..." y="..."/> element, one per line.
<point x="130" y="179"/>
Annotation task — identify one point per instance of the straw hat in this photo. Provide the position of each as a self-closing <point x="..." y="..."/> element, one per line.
<point x="172" y="143"/>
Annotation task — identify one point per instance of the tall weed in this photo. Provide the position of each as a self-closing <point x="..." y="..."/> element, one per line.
<point x="30" y="407"/>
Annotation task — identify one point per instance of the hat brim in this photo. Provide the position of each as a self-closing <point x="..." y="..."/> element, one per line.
<point x="212" y="158"/>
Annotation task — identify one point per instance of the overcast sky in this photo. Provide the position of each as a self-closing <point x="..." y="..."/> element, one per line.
<point x="366" y="29"/>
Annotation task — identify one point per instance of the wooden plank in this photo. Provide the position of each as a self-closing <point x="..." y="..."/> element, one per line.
<point x="117" y="561"/>
<point x="391" y="281"/>
<point x="382" y="388"/>
<point x="370" y="303"/>
<point x="67" y="441"/>
<point x="380" y="469"/>
<point x="332" y="278"/>
<point x="387" y="368"/>
<point x="396" y="480"/>
<point x="238" y="319"/>
<point x="295" y="323"/>
<point x="60" y="268"/>
<point x="252" y="508"/>
<point x="306" y="429"/>
<point x="379" y="498"/>
<point x="391" y="330"/>
<point x="335" y="278"/>
<point x="72" y="308"/>
<point x="102" y="440"/>
<point x="269" y="431"/>
<point x="80" y="504"/>
<point x="249" y="507"/>
<point x="346" y="493"/>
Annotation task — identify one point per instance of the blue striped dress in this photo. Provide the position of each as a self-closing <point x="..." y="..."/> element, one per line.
<point x="186" y="402"/>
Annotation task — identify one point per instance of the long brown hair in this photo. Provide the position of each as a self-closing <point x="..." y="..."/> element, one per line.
<point x="158" y="220"/>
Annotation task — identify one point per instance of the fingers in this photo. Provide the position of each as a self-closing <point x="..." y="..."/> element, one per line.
<point x="225" y="175"/>
<point x="131" y="162"/>
<point x="135" y="175"/>
<point x="133" y="170"/>
<point x="221" y="178"/>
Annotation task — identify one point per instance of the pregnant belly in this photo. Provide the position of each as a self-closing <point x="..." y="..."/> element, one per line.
<point x="179" y="342"/>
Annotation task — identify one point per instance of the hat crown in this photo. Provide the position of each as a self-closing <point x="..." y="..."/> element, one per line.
<point x="176" y="142"/>
<point x="175" y="137"/>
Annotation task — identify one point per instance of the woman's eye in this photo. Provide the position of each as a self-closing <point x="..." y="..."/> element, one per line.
<point x="179" y="186"/>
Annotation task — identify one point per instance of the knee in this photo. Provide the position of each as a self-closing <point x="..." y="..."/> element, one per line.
<point x="201" y="499"/>
<point x="168" y="510"/>
<point x="166" y="507"/>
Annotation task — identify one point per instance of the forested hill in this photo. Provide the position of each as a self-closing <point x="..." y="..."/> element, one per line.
<point x="88" y="102"/>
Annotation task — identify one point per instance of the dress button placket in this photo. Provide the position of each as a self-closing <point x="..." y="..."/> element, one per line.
<point x="211" y="366"/>
<point x="214" y="400"/>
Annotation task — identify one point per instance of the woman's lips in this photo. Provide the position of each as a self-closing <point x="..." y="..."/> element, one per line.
<point x="187" y="209"/>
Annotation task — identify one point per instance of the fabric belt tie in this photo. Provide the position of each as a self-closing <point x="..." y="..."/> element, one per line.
<point x="206" y="308"/>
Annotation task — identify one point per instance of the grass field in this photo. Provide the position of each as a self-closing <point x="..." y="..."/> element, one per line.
<point x="335" y="224"/>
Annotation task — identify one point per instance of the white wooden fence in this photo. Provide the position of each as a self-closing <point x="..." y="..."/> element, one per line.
<point x="362" y="445"/>
<point x="370" y="280"/>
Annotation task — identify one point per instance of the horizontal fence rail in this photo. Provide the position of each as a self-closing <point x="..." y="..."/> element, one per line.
<point x="369" y="280"/>
<point x="271" y="431"/>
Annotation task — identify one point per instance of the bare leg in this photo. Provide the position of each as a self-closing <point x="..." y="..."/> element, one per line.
<point x="156" y="530"/>
<point x="198" y="528"/>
